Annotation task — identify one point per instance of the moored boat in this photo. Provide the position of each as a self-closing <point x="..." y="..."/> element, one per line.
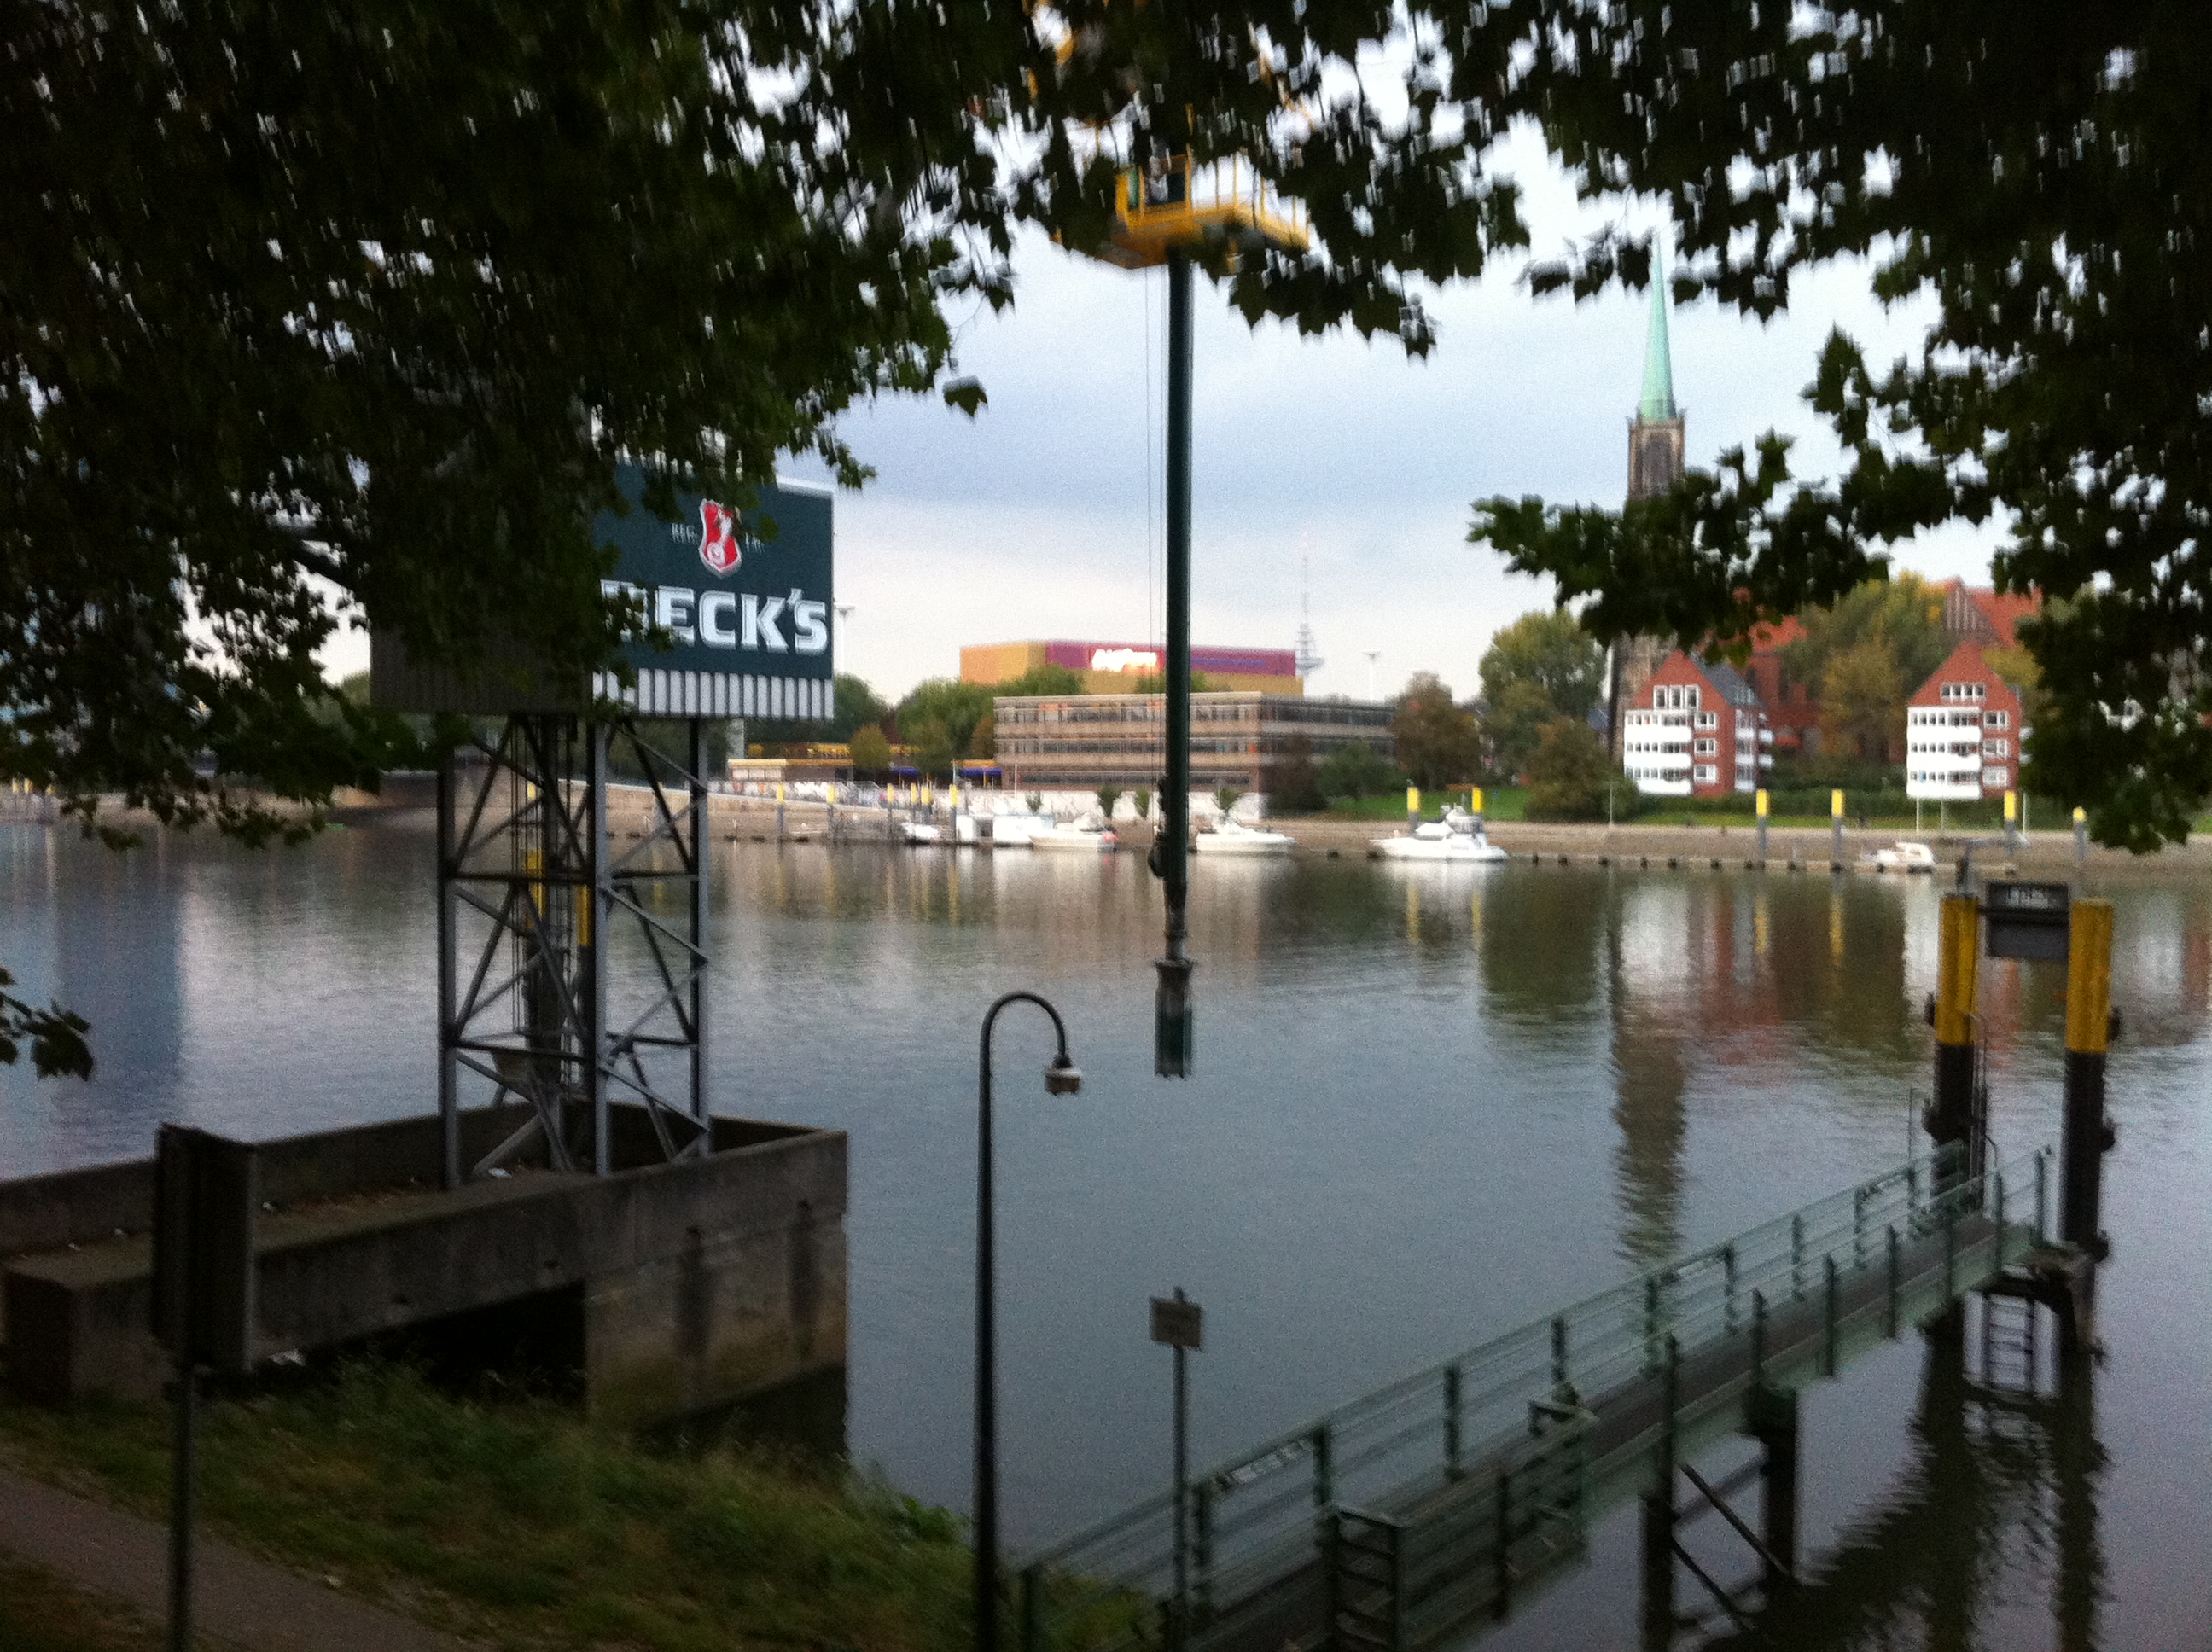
<point x="1234" y="837"/>
<point x="1458" y="838"/>
<point x="1901" y="856"/>
<point x="1083" y="836"/>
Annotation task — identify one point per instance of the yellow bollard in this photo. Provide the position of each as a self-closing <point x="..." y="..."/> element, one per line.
<point x="1958" y="962"/>
<point x="1412" y="804"/>
<point x="2087" y="1135"/>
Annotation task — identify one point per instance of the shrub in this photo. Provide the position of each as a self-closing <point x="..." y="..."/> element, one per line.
<point x="1357" y="771"/>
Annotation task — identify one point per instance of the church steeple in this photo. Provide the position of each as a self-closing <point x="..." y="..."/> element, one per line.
<point x="1658" y="360"/>
<point x="1656" y="436"/>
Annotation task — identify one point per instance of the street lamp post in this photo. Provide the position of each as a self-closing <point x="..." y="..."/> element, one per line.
<point x="1060" y="1079"/>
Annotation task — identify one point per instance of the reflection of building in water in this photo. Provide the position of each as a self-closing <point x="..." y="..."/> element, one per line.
<point x="117" y="964"/>
<point x="1709" y="974"/>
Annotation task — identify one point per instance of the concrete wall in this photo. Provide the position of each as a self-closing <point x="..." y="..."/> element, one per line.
<point x="700" y="1282"/>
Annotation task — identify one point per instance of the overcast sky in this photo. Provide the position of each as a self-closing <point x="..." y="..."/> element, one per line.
<point x="1032" y="519"/>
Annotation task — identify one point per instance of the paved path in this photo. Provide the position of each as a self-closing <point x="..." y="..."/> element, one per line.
<point x="241" y="1600"/>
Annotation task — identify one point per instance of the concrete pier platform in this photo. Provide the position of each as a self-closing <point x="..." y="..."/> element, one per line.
<point x="675" y="1288"/>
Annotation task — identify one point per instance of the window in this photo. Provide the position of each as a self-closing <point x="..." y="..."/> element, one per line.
<point x="1996" y="719"/>
<point x="1996" y="780"/>
<point x="1708" y="747"/>
<point x="1709" y="720"/>
<point x="1963" y="691"/>
<point x="1708" y="773"/>
<point x="1996" y="747"/>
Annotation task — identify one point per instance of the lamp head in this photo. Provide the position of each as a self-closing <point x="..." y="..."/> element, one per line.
<point x="1061" y="1078"/>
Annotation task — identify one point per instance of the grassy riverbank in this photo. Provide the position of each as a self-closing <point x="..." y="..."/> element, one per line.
<point x="518" y="1524"/>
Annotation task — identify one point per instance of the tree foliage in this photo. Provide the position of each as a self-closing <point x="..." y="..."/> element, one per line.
<point x="2040" y="175"/>
<point x="871" y="751"/>
<point x="1902" y="616"/>
<point x="854" y="706"/>
<point x="1437" y="742"/>
<point x="939" y="718"/>
<point x="1569" y="774"/>
<point x="1548" y="648"/>
<point x="1514" y="721"/>
<point x="1357" y="770"/>
<point x="55" y="1035"/>
<point x="314" y="316"/>
<point x="1294" y="785"/>
<point x="1862" y="696"/>
<point x="366" y="306"/>
<point x="1044" y="679"/>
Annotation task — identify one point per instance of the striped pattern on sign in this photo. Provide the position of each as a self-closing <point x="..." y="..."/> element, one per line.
<point x="718" y="693"/>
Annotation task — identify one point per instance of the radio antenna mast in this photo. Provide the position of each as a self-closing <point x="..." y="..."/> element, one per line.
<point x="1307" y="659"/>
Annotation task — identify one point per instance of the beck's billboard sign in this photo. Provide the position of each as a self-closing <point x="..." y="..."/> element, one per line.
<point x="740" y="591"/>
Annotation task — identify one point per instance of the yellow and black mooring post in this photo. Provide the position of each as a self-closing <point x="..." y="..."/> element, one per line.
<point x="1952" y="1116"/>
<point x="1836" y="828"/>
<point x="1759" y="804"/>
<point x="2088" y="1133"/>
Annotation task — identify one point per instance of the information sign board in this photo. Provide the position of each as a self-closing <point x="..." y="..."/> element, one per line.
<point x="2026" y="920"/>
<point x="1178" y="1323"/>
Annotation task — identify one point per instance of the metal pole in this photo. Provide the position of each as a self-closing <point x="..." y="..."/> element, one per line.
<point x="592" y="953"/>
<point x="701" y="838"/>
<point x="986" y="1399"/>
<point x="1182" y="1489"/>
<point x="1173" y="1024"/>
<point x="183" y="1471"/>
<point x="449" y="1063"/>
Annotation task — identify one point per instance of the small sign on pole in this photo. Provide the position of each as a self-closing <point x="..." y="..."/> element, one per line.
<point x="206" y="1192"/>
<point x="1177" y="1322"/>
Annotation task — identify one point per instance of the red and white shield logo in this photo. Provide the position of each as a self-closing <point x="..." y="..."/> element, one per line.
<point x="721" y="541"/>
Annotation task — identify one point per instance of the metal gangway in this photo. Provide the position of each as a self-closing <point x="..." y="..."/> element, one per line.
<point x="1427" y="1507"/>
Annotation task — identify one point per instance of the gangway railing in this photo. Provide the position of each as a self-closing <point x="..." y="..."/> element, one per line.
<point x="1482" y="1470"/>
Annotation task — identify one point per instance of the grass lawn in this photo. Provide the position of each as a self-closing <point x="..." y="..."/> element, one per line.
<point x="1499" y="803"/>
<point x="519" y="1524"/>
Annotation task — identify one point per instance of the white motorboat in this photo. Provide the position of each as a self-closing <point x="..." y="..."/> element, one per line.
<point x="1013" y="831"/>
<point x="1456" y="838"/>
<point x="919" y="833"/>
<point x="1901" y="856"/>
<point x="1091" y="836"/>
<point x="1234" y="837"/>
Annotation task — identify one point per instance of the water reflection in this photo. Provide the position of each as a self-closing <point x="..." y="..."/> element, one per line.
<point x="1433" y="1103"/>
<point x="1998" y="1506"/>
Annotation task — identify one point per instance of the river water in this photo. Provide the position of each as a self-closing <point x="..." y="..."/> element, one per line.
<point x="1432" y="1103"/>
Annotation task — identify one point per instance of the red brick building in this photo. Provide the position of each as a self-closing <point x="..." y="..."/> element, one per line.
<point x="1792" y="711"/>
<point x="1962" y="732"/>
<point x="1696" y="730"/>
<point x="1977" y="613"/>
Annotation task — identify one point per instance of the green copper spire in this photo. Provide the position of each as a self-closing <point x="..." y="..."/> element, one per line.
<point x="1658" y="401"/>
